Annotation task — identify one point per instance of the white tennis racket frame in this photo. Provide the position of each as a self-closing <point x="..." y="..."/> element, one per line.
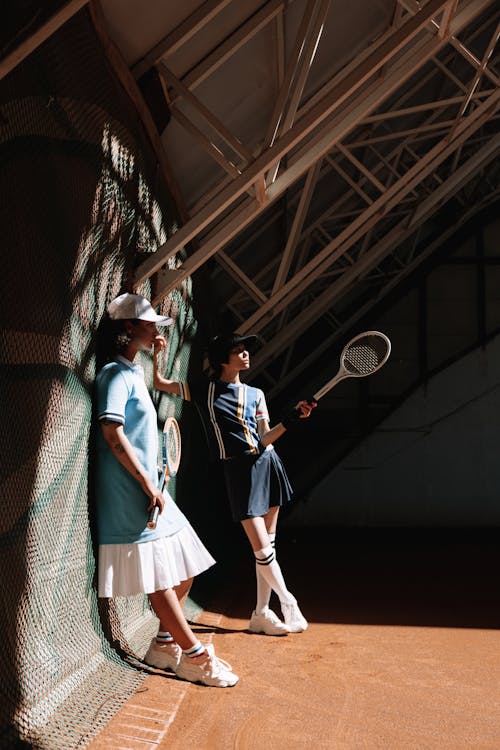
<point x="344" y="373"/>
<point x="171" y="426"/>
<point x="170" y="468"/>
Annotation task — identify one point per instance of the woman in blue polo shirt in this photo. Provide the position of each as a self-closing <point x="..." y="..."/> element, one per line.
<point x="237" y="425"/>
<point x="133" y="558"/>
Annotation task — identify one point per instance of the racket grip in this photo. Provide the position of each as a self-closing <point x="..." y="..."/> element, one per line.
<point x="153" y="517"/>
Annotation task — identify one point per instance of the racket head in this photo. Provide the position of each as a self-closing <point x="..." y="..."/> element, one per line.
<point x="171" y="446"/>
<point x="365" y="354"/>
<point x="361" y="356"/>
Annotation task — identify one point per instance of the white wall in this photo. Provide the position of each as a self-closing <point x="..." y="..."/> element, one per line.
<point x="435" y="461"/>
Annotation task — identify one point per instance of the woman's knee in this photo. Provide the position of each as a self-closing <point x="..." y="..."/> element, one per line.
<point x="271" y="518"/>
<point x="256" y="531"/>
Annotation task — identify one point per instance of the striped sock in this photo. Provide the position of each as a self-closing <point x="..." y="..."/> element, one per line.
<point x="163" y="636"/>
<point x="267" y="566"/>
<point x="263" y="588"/>
<point x="195" y="650"/>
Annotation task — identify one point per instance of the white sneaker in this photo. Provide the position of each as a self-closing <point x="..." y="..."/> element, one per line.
<point x="163" y="656"/>
<point x="268" y="623"/>
<point x="293" y="617"/>
<point x="207" y="669"/>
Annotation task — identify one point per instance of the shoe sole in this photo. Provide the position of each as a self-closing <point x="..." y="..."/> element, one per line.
<point x="299" y="629"/>
<point x="206" y="684"/>
<point x="156" y="666"/>
<point x="168" y="668"/>
<point x="263" y="632"/>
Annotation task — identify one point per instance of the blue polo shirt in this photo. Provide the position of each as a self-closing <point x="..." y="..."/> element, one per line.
<point x="122" y="397"/>
<point x="230" y="413"/>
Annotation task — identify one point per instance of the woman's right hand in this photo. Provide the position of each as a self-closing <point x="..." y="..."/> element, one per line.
<point x="159" y="343"/>
<point x="155" y="496"/>
<point x="159" y="382"/>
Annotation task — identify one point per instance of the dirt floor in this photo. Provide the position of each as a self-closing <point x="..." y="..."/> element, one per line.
<point x="402" y="653"/>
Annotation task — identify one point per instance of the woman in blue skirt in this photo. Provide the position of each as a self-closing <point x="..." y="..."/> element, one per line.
<point x="237" y="423"/>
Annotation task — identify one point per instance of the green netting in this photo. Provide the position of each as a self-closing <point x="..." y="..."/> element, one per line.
<point x="81" y="197"/>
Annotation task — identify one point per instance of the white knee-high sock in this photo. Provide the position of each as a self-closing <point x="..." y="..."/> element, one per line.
<point x="263" y="588"/>
<point x="268" y="567"/>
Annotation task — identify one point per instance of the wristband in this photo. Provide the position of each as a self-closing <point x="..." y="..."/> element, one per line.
<point x="290" y="418"/>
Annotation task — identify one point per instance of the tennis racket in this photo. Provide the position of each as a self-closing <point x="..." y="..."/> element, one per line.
<point x="361" y="356"/>
<point x="171" y="458"/>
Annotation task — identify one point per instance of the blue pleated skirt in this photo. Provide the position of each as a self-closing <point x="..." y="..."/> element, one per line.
<point x="255" y="484"/>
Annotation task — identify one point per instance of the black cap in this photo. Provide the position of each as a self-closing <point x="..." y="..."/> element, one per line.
<point x="220" y="346"/>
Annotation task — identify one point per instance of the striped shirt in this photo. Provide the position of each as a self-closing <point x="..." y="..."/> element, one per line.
<point x="230" y="413"/>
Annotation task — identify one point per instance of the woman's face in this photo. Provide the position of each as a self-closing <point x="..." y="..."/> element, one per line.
<point x="143" y="334"/>
<point x="239" y="358"/>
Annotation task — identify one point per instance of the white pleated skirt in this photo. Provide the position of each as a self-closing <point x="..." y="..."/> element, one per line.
<point x="146" y="567"/>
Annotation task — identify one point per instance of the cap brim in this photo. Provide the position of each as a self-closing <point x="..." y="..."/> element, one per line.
<point x="163" y="321"/>
<point x="251" y="340"/>
<point x="160" y="320"/>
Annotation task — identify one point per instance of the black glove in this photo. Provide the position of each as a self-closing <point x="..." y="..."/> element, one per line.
<point x="290" y="418"/>
<point x="294" y="415"/>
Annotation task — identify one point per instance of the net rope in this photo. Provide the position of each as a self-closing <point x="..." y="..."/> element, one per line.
<point x="82" y="197"/>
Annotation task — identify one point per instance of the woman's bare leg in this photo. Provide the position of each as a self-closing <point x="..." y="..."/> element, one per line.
<point x="256" y="531"/>
<point x="183" y="589"/>
<point x="168" y="609"/>
<point x="271" y="519"/>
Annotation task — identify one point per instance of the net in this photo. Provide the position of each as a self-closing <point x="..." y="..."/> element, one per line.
<point x="81" y="197"/>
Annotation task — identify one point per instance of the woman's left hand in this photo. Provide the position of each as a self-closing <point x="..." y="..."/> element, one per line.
<point x="305" y="408"/>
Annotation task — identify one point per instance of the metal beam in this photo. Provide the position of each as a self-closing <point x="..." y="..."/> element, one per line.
<point x="225" y="135"/>
<point x="41" y="35"/>
<point x="180" y="35"/>
<point x="301" y="73"/>
<point x="380" y="250"/>
<point x="357" y="228"/>
<point x="298" y="223"/>
<point x="480" y="71"/>
<point x="305" y="126"/>
<point x="233" y="43"/>
<point x="286" y="84"/>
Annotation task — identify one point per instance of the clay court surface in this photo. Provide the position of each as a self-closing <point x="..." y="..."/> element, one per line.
<point x="402" y="653"/>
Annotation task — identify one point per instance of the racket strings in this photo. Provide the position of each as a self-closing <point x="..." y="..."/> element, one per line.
<point x="364" y="358"/>
<point x="173" y="451"/>
<point x="173" y="445"/>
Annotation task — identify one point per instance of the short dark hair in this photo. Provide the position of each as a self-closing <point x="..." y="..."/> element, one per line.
<point x="221" y="345"/>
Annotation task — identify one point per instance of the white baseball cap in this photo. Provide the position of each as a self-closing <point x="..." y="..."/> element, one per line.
<point x="134" y="307"/>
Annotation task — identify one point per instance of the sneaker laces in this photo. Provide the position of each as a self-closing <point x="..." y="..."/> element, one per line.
<point x="291" y="610"/>
<point x="272" y="617"/>
<point x="217" y="665"/>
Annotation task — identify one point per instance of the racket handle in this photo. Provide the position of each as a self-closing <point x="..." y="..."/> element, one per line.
<point x="328" y="386"/>
<point x="153" y="517"/>
<point x="162" y="479"/>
